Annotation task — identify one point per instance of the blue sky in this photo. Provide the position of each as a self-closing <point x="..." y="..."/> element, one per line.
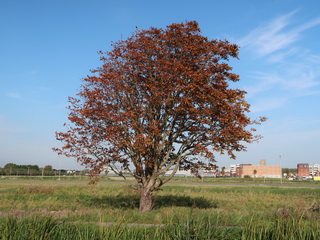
<point x="47" y="47"/>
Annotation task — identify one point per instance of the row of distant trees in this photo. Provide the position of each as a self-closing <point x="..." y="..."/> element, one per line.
<point x="26" y="170"/>
<point x="12" y="169"/>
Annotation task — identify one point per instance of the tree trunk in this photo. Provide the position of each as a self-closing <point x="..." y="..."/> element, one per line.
<point x="146" y="200"/>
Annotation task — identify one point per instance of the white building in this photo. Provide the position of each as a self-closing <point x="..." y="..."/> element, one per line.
<point x="314" y="169"/>
<point x="233" y="169"/>
<point x="180" y="173"/>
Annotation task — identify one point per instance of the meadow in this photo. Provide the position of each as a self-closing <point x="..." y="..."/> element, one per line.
<point x="187" y="208"/>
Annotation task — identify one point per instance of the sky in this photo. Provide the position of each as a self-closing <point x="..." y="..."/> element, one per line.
<point x="47" y="47"/>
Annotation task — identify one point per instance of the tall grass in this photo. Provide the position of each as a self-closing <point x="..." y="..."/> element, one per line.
<point x="285" y="229"/>
<point x="36" y="228"/>
<point x="80" y="202"/>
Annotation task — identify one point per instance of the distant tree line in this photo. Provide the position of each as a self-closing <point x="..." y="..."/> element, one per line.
<point x="12" y="169"/>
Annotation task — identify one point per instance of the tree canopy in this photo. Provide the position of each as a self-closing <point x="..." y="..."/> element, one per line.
<point x="159" y="101"/>
<point x="11" y="168"/>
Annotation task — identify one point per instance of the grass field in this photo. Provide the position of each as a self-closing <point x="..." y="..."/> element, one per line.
<point x="186" y="209"/>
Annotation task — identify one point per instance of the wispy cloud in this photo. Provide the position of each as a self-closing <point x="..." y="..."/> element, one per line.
<point x="282" y="55"/>
<point x="296" y="78"/>
<point x="291" y="71"/>
<point x="264" y="82"/>
<point x="275" y="36"/>
<point x="27" y="93"/>
<point x="269" y="103"/>
<point x="31" y="73"/>
<point x="14" y="95"/>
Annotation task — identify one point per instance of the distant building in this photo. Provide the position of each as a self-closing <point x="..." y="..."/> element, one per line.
<point x="263" y="162"/>
<point x="180" y="173"/>
<point x="314" y="169"/>
<point x="239" y="171"/>
<point x="206" y="170"/>
<point x="233" y="170"/>
<point x="261" y="171"/>
<point x="226" y="171"/>
<point x="303" y="170"/>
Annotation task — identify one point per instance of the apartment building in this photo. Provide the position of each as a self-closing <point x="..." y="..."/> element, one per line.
<point x="314" y="169"/>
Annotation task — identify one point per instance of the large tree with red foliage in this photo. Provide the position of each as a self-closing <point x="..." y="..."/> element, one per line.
<point x="160" y="99"/>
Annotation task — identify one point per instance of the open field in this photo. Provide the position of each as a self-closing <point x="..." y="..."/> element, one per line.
<point x="187" y="207"/>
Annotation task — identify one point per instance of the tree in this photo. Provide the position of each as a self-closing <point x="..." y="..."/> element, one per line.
<point x="160" y="99"/>
<point x="223" y="171"/>
<point x="11" y="168"/>
<point x="47" y="170"/>
<point x="255" y="172"/>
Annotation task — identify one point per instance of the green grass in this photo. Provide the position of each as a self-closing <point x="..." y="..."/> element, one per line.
<point x="188" y="212"/>
<point x="191" y="228"/>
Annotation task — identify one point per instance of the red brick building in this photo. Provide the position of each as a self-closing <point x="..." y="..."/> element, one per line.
<point x="239" y="169"/>
<point x="303" y="170"/>
<point x="262" y="171"/>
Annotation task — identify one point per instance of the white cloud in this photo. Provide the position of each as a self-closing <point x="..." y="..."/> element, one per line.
<point x="289" y="68"/>
<point x="265" y="104"/>
<point x="264" y="82"/>
<point x="301" y="77"/>
<point x="14" y="95"/>
<point x="275" y="36"/>
<point x="31" y="73"/>
<point x="26" y="93"/>
<point x="268" y="39"/>
<point x="308" y="25"/>
<point x="280" y="56"/>
<point x="294" y="79"/>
